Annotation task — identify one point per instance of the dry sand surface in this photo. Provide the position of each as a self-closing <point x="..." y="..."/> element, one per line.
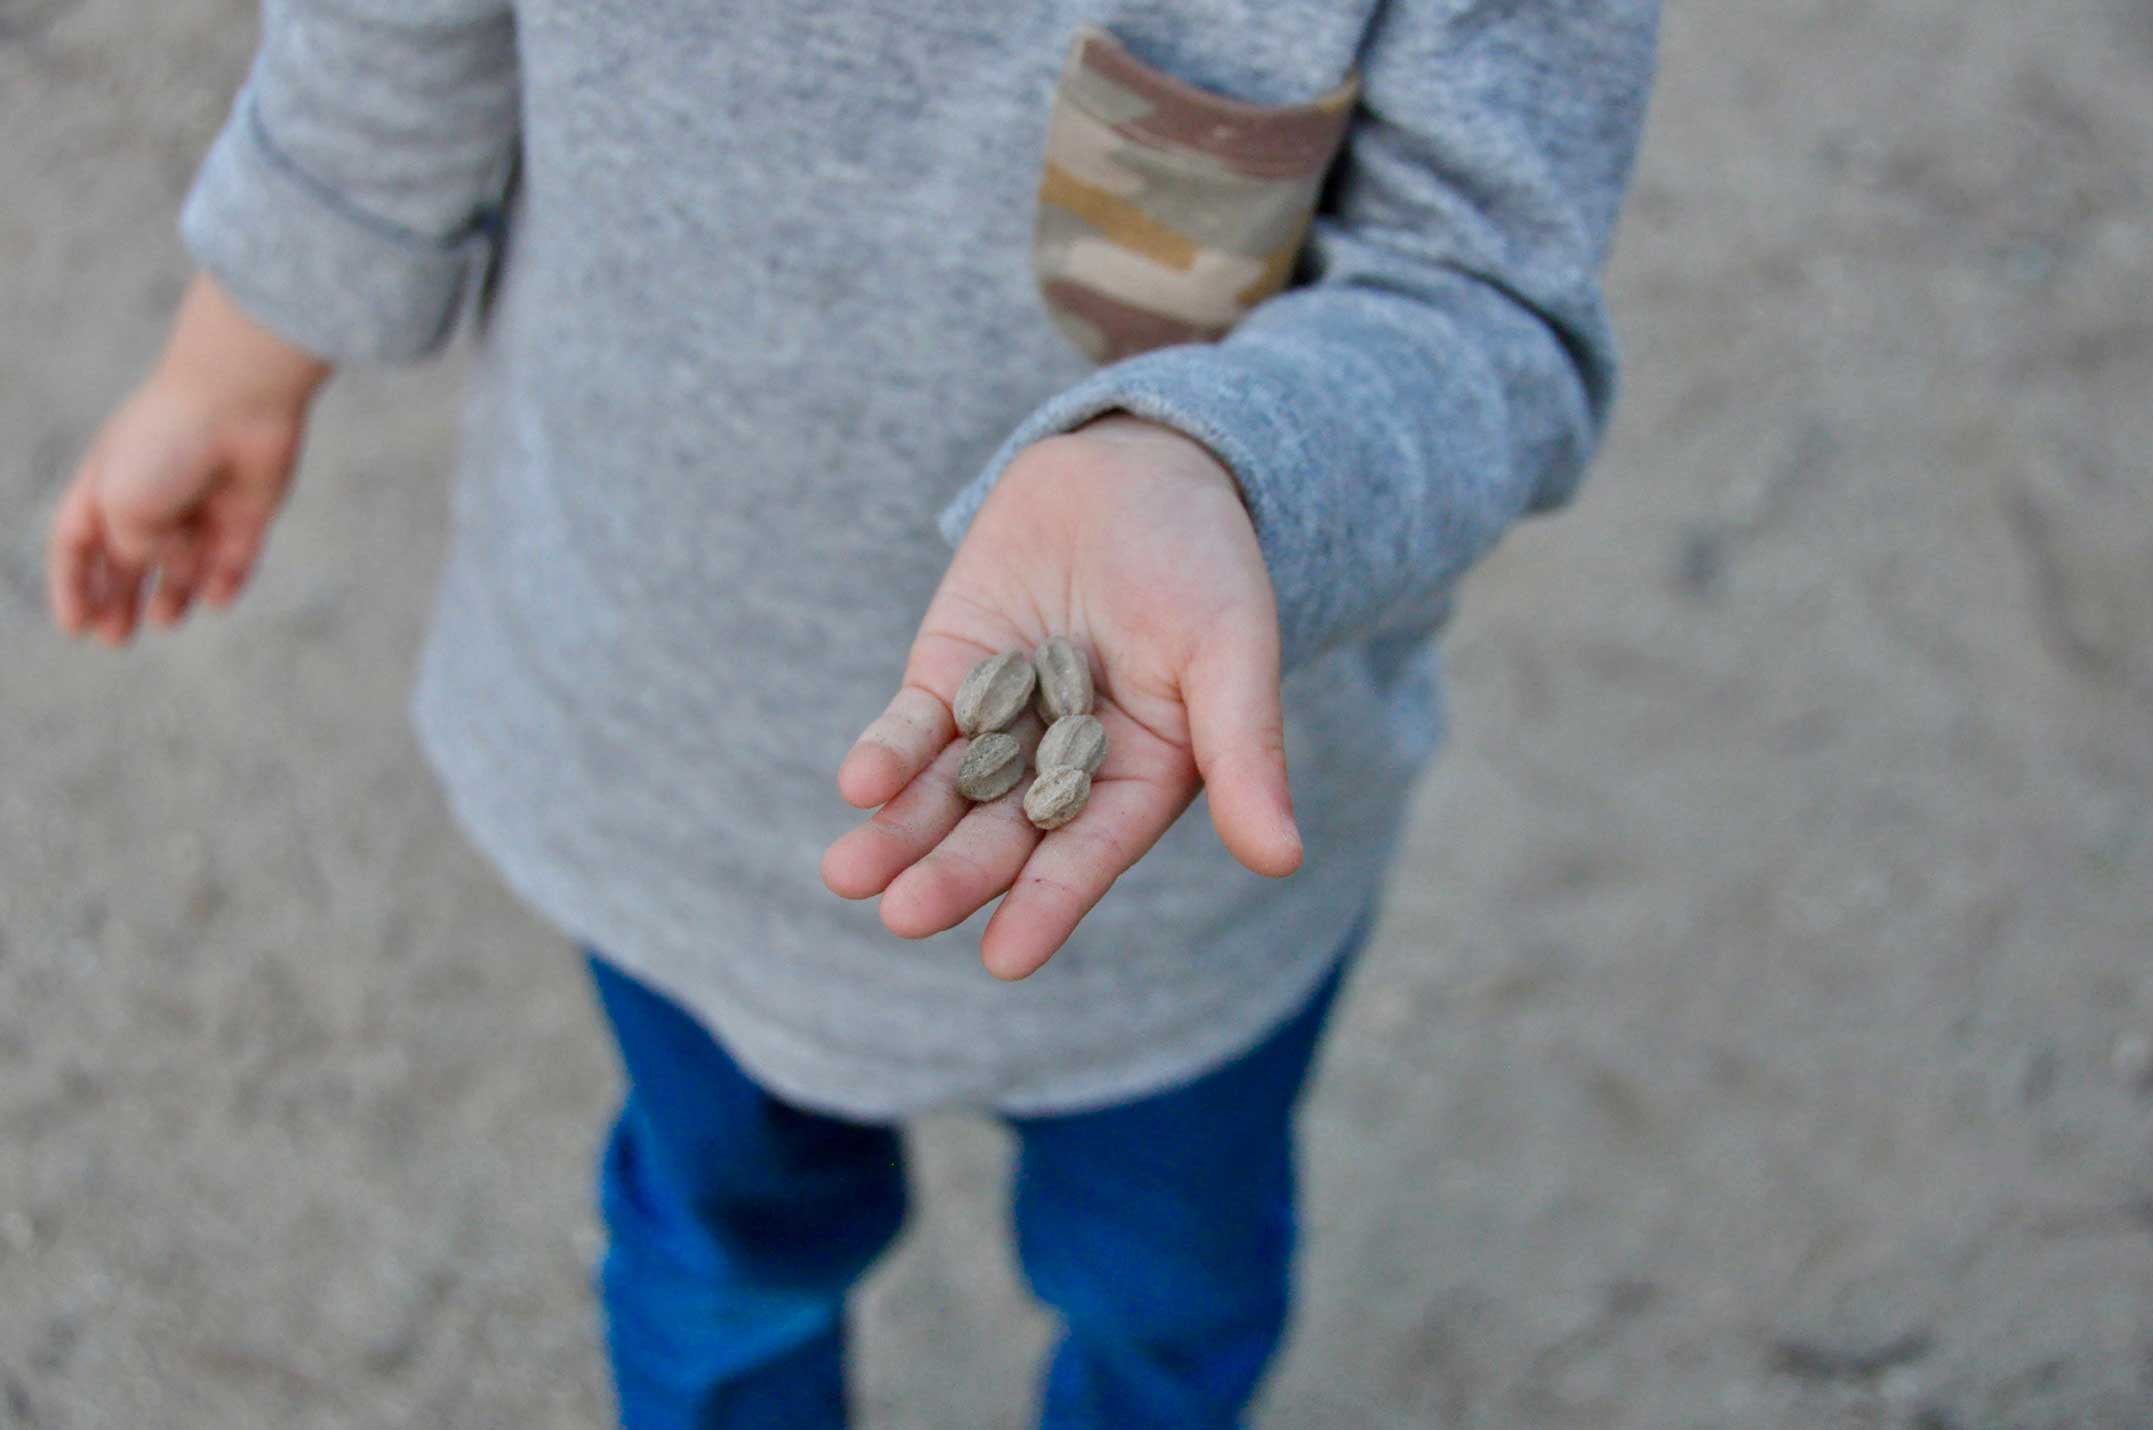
<point x="1758" y="1035"/>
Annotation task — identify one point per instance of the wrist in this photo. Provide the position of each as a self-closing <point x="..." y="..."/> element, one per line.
<point x="1121" y="427"/>
<point x="217" y="350"/>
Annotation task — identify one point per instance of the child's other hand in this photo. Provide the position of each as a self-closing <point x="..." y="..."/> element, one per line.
<point x="1131" y="540"/>
<point x="184" y="477"/>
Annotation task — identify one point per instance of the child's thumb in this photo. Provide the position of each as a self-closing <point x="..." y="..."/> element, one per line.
<point x="1238" y="728"/>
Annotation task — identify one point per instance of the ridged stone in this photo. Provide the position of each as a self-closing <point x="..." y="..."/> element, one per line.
<point x="995" y="693"/>
<point x="993" y="763"/>
<point x="1074" y="742"/>
<point x="1064" y="679"/>
<point x="1057" y="797"/>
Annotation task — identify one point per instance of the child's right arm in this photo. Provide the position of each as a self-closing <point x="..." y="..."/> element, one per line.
<point x="344" y="214"/>
<point x="185" y="475"/>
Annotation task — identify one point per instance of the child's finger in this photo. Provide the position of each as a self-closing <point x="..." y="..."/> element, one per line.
<point x="958" y="877"/>
<point x="179" y="563"/>
<point x="71" y="559"/>
<point x="1237" y="728"/>
<point x="1072" y="869"/>
<point x="237" y="522"/>
<point x="224" y="576"/>
<point x="900" y="743"/>
<point x="121" y="602"/>
<point x="862" y="862"/>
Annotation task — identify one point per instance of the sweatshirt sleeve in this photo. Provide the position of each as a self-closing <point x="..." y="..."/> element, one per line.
<point x="1447" y="367"/>
<point x="350" y="201"/>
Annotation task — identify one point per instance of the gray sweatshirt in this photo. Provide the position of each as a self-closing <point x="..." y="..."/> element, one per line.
<point x="766" y="296"/>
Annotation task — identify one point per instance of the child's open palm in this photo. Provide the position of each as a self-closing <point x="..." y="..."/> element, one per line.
<point x="1131" y="540"/>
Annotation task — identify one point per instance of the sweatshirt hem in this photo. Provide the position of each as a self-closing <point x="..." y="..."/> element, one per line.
<point x="808" y="1070"/>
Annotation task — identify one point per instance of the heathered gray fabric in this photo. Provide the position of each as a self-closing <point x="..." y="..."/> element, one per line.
<point x="762" y="332"/>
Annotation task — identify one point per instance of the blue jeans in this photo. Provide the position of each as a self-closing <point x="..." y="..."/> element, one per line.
<point x="1161" y="1230"/>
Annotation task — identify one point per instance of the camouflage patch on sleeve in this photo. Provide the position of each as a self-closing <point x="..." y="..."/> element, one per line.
<point x="1167" y="211"/>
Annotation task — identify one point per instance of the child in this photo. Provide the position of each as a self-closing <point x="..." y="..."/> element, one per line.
<point x="1222" y="338"/>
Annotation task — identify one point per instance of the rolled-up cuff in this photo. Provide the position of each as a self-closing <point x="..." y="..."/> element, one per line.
<point x="339" y="283"/>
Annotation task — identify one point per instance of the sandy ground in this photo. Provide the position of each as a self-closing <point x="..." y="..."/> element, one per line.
<point x="1758" y="1036"/>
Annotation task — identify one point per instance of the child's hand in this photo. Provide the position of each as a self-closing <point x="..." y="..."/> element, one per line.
<point x="1131" y="540"/>
<point x="183" y="479"/>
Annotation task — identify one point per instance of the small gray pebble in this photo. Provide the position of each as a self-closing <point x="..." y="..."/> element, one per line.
<point x="995" y="693"/>
<point x="1074" y="742"/>
<point x="992" y="765"/>
<point x="1057" y="797"/>
<point x="1064" y="679"/>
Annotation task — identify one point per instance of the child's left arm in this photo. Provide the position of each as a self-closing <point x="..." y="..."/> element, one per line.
<point x="1325" y="471"/>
